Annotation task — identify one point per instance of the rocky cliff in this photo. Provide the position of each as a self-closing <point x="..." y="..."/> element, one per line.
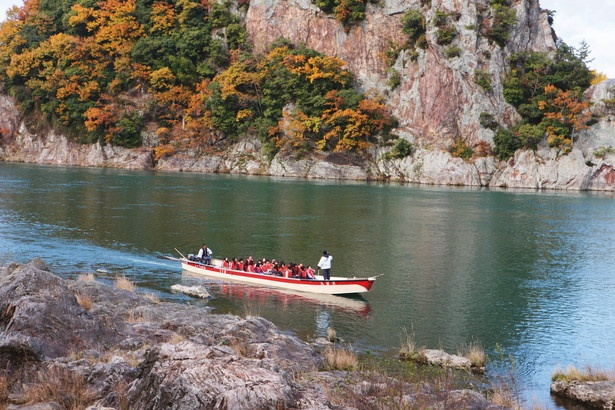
<point x="437" y="102"/>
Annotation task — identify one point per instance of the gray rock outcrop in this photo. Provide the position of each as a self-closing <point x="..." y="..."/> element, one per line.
<point x="597" y="394"/>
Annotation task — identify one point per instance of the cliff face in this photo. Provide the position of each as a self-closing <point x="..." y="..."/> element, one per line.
<point x="437" y="99"/>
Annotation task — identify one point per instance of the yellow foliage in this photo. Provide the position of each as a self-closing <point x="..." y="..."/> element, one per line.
<point x="163" y="18"/>
<point x="238" y="77"/>
<point x="22" y="64"/>
<point x="162" y="151"/>
<point x="316" y="68"/>
<point x="558" y="140"/>
<point x="10" y="40"/>
<point x="162" y="79"/>
<point x="598" y="77"/>
<point x="243" y="115"/>
<point x="81" y="15"/>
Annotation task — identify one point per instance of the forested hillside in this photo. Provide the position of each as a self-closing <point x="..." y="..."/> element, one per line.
<point x="189" y="73"/>
<point x="104" y="70"/>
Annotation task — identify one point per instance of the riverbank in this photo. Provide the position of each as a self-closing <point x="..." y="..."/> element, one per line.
<point x="589" y="166"/>
<point x="84" y="343"/>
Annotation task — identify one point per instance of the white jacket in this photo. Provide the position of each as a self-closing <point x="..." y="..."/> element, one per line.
<point x="325" y="262"/>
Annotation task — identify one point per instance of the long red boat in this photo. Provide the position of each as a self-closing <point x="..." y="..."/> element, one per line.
<point x="333" y="286"/>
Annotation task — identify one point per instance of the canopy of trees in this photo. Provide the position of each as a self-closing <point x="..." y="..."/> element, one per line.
<point x="548" y="93"/>
<point x="101" y="70"/>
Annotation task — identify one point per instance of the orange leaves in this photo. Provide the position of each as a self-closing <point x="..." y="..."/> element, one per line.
<point x="565" y="107"/>
<point x="112" y="23"/>
<point x="100" y="117"/>
<point x="349" y="130"/>
<point x="298" y="130"/>
<point x="352" y="129"/>
<point x="239" y="81"/>
<point x="320" y="67"/>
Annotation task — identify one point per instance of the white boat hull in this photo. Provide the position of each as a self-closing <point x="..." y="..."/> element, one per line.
<point x="334" y="286"/>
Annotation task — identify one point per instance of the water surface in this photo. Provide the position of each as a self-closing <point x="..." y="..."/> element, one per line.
<point x="529" y="275"/>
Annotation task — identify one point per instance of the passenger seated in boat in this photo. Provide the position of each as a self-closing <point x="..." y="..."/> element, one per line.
<point x="234" y="264"/>
<point x="226" y="263"/>
<point x="204" y="254"/>
<point x="275" y="270"/>
<point x="296" y="271"/>
<point x="301" y="270"/>
<point x="240" y="264"/>
<point x="267" y="265"/>
<point x="284" y="270"/>
<point x="251" y="266"/>
<point x="309" y="273"/>
<point x="258" y="268"/>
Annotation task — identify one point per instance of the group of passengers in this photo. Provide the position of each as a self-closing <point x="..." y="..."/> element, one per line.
<point x="273" y="267"/>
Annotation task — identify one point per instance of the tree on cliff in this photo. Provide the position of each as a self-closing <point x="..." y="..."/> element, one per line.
<point x="548" y="94"/>
<point x="104" y="70"/>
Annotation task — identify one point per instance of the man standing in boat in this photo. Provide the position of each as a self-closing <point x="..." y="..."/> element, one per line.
<point x="205" y="254"/>
<point x="325" y="264"/>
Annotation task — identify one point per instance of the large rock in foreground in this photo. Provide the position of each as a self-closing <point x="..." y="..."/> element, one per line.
<point x="183" y="357"/>
<point x="597" y="394"/>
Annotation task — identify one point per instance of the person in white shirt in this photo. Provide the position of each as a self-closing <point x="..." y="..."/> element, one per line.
<point x="205" y="254"/>
<point x="325" y="264"/>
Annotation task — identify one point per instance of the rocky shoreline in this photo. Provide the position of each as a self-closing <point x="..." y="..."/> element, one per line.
<point x="82" y="343"/>
<point x="590" y="166"/>
<point x="123" y="350"/>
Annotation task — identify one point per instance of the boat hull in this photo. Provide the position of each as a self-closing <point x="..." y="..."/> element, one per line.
<point x="334" y="286"/>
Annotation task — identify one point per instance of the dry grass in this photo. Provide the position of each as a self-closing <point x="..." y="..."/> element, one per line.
<point x="60" y="385"/>
<point x="176" y="338"/>
<point x="132" y="317"/>
<point x="84" y="301"/>
<point x="589" y="374"/>
<point x="409" y="350"/>
<point x="331" y="335"/>
<point x="5" y="389"/>
<point x="120" y="388"/>
<point x="121" y="282"/>
<point x="86" y="277"/>
<point x="152" y="297"/>
<point x="474" y="352"/>
<point x="241" y="348"/>
<point x="340" y="359"/>
<point x="132" y="359"/>
<point x="250" y="311"/>
<point x="504" y="396"/>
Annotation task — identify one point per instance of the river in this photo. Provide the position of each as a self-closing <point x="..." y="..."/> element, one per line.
<point x="528" y="275"/>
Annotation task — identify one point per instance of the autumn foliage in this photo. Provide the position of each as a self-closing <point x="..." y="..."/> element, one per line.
<point x="547" y="92"/>
<point x="107" y="70"/>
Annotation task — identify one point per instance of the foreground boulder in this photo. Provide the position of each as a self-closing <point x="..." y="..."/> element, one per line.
<point x="597" y="394"/>
<point x="158" y="352"/>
